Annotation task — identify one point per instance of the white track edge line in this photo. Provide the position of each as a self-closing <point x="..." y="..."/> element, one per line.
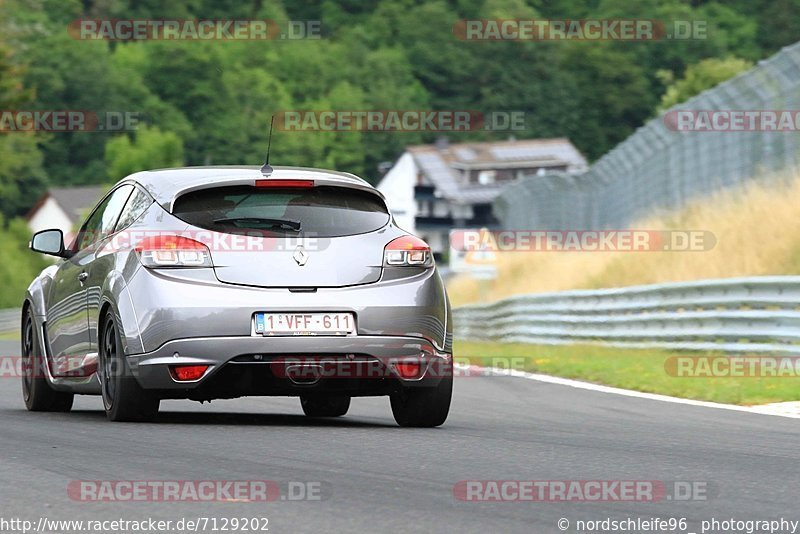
<point x="496" y="371"/>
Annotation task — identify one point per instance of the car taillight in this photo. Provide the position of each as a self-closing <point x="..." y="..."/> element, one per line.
<point x="409" y="251"/>
<point x="188" y="373"/>
<point x="173" y="251"/>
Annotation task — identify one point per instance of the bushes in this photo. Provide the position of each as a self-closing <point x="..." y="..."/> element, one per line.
<point x="18" y="265"/>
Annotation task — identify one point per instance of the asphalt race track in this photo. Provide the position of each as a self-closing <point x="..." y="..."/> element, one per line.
<point x="376" y="476"/>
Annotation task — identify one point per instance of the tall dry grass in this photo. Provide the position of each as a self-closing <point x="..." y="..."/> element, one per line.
<point x="757" y="229"/>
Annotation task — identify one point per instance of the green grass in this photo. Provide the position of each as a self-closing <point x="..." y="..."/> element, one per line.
<point x="9" y="336"/>
<point x="637" y="369"/>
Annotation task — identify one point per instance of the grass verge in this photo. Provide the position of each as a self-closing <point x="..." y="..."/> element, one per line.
<point x="636" y="369"/>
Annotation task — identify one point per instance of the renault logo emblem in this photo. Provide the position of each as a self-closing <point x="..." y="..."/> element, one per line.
<point x="300" y="256"/>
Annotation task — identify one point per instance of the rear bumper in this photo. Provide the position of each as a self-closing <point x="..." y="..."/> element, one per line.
<point x="255" y="365"/>
<point x="176" y="306"/>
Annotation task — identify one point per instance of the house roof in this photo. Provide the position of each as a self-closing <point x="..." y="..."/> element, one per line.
<point x="444" y="163"/>
<point x="73" y="200"/>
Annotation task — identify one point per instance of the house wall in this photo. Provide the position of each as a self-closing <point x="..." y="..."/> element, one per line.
<point x="50" y="215"/>
<point x="398" y="187"/>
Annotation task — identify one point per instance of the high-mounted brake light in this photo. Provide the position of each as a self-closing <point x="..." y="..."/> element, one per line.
<point x="409" y="251"/>
<point x="173" y="251"/>
<point x="291" y="184"/>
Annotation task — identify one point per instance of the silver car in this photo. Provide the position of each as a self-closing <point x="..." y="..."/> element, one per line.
<point x="219" y="282"/>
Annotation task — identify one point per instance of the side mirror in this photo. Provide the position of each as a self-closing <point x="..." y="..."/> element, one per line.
<point x="49" y="242"/>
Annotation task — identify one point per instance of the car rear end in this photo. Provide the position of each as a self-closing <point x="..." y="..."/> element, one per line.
<point x="285" y="286"/>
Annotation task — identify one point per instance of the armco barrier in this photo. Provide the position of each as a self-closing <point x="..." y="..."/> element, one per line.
<point x="757" y="314"/>
<point x="9" y="321"/>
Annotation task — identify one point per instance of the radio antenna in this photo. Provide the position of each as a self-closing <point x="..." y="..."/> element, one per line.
<point x="266" y="170"/>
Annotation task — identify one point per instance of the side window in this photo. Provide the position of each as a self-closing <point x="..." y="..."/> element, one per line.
<point x="103" y="219"/>
<point x="137" y="204"/>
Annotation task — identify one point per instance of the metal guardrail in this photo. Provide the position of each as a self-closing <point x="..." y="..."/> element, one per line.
<point x="757" y="314"/>
<point x="9" y="320"/>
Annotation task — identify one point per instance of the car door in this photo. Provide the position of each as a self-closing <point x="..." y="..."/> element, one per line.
<point x="104" y="259"/>
<point x="97" y="265"/>
<point x="67" y="314"/>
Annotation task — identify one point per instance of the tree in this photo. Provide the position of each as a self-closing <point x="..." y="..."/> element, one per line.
<point x="22" y="179"/>
<point x="68" y="74"/>
<point x="151" y="149"/>
<point x="699" y="77"/>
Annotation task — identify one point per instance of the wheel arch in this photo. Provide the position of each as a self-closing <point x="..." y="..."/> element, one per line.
<point x="126" y="323"/>
<point x="34" y="298"/>
<point x="37" y="317"/>
<point x="116" y="298"/>
<point x="104" y="307"/>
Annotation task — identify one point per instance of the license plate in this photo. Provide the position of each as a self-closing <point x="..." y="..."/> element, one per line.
<point x="304" y="324"/>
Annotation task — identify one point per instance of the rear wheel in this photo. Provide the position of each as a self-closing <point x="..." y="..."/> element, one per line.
<point x="325" y="406"/>
<point x="420" y="406"/>
<point x="123" y="398"/>
<point x="39" y="396"/>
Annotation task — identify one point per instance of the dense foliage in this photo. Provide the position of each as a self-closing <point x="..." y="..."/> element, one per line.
<point x="210" y="102"/>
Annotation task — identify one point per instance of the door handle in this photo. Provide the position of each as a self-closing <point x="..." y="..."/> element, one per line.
<point x="82" y="277"/>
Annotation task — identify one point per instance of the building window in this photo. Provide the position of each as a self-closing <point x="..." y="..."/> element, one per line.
<point x="486" y="177"/>
<point x="440" y="209"/>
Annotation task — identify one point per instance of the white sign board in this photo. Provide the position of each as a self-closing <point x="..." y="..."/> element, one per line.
<point x="473" y="252"/>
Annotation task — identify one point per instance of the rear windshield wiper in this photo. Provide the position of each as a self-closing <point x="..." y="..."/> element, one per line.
<point x="285" y="224"/>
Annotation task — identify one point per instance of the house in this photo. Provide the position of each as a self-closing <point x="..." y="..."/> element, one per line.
<point x="63" y="208"/>
<point x="434" y="188"/>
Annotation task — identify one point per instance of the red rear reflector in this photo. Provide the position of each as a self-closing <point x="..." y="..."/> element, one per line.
<point x="408" y="369"/>
<point x="285" y="183"/>
<point x="408" y="242"/>
<point x="188" y="373"/>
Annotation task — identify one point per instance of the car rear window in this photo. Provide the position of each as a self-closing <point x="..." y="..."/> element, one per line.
<point x="325" y="211"/>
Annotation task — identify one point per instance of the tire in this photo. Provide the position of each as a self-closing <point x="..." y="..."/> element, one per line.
<point x="38" y="394"/>
<point x="423" y="407"/>
<point x="325" y="406"/>
<point x="123" y="398"/>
